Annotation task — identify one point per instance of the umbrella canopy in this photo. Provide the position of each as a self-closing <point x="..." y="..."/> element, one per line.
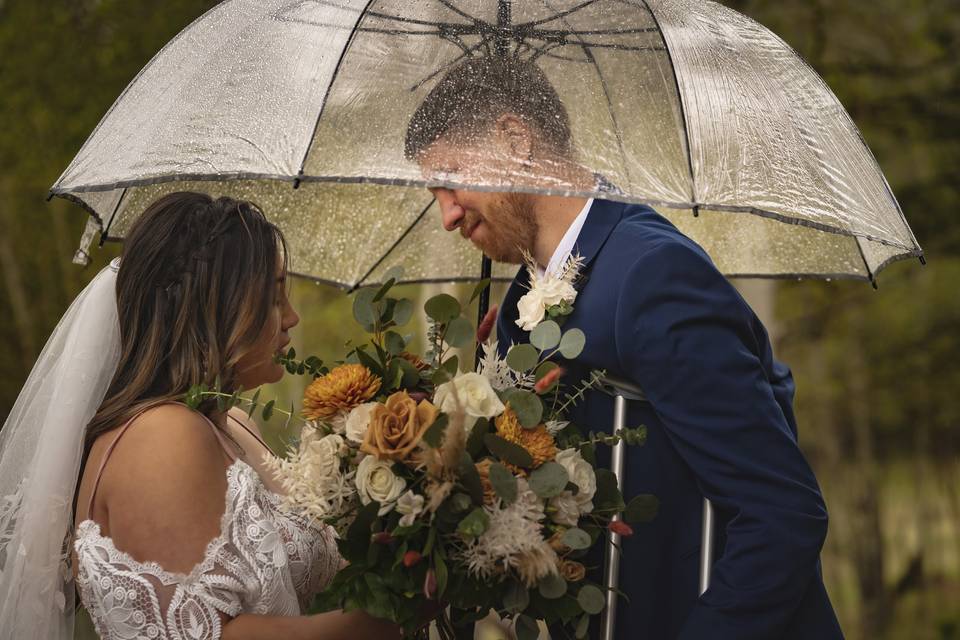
<point x="303" y="106"/>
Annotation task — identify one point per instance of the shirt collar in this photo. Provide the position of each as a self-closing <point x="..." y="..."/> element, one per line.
<point x="567" y="243"/>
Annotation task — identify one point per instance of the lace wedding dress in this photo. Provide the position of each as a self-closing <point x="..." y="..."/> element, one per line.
<point x="265" y="561"/>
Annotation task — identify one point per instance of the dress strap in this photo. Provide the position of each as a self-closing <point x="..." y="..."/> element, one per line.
<point x="103" y="461"/>
<point x="251" y="432"/>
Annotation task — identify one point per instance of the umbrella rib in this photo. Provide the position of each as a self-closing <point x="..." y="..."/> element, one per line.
<point x="558" y="16"/>
<point x="394" y="246"/>
<point x="865" y="263"/>
<point x="606" y="93"/>
<point x="683" y="112"/>
<point x="326" y="95"/>
<point x="452" y="7"/>
<point x="448" y="65"/>
<point x="106" y="231"/>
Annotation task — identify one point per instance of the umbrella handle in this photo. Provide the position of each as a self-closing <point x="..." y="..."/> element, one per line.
<point x="486" y="270"/>
<point x="706" y="546"/>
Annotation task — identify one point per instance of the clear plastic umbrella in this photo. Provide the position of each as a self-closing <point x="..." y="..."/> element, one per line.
<point x="303" y="107"/>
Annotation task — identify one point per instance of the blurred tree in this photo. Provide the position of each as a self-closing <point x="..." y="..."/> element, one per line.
<point x="877" y="372"/>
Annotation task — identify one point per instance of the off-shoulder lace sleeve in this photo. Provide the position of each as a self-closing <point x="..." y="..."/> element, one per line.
<point x="252" y="567"/>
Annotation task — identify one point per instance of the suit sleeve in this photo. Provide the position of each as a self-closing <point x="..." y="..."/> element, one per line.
<point x="685" y="335"/>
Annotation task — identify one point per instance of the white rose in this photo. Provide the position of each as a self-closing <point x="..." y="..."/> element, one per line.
<point x="410" y="505"/>
<point x="358" y="421"/>
<point x="531" y="309"/>
<point x="477" y="397"/>
<point x="581" y="474"/>
<point x="566" y="509"/>
<point x="554" y="291"/>
<point x="376" y="481"/>
<point x="321" y="457"/>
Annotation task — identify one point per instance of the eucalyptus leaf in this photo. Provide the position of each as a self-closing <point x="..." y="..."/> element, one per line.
<point x="460" y="502"/>
<point x="433" y="436"/>
<point x="268" y="411"/>
<point x="522" y="357"/>
<point x="527" y="628"/>
<point x="528" y="407"/>
<point x="475" y="438"/>
<point x="516" y="598"/>
<point x="442" y="308"/>
<point x="576" y="539"/>
<point x="393" y="342"/>
<point x="253" y="403"/>
<point x="545" y="335"/>
<point x="480" y="288"/>
<point x="552" y="586"/>
<point x="451" y="365"/>
<point x="470" y="478"/>
<point x="393" y="376"/>
<point x="369" y="362"/>
<point x="507" y="451"/>
<point x="383" y="290"/>
<point x="504" y="482"/>
<point x="441" y="573"/>
<point x="572" y="343"/>
<point x="475" y="523"/>
<point x="402" y="312"/>
<point x="607" y="496"/>
<point x="544" y="369"/>
<point x="590" y="599"/>
<point x="363" y="310"/>
<point x="411" y="376"/>
<point x="460" y="333"/>
<point x="549" y="480"/>
<point x="583" y="626"/>
<point x="642" y="508"/>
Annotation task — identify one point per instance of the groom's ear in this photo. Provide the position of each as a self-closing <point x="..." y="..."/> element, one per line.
<point x="514" y="135"/>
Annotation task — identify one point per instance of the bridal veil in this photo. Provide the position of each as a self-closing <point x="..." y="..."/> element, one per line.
<point x="40" y="451"/>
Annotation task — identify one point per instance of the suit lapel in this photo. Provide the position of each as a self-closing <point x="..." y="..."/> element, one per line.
<point x="603" y="218"/>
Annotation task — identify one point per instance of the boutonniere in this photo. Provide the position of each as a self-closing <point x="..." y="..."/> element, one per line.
<point x="550" y="296"/>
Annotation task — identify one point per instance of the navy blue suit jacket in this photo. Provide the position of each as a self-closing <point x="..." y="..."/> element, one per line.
<point x="720" y="424"/>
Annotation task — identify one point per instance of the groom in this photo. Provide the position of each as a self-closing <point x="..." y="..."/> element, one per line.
<point x="658" y="313"/>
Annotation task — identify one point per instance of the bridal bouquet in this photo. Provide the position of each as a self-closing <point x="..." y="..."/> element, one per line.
<point x="459" y="487"/>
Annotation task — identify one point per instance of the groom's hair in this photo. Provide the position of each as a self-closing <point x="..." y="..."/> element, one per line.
<point x="469" y="99"/>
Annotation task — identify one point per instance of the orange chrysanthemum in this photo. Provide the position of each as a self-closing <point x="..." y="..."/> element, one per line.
<point x="342" y="389"/>
<point x="538" y="442"/>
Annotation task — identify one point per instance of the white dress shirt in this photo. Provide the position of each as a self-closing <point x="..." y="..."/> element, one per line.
<point x="567" y="243"/>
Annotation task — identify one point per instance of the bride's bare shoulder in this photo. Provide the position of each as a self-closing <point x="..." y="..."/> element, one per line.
<point x="170" y="447"/>
<point x="165" y="430"/>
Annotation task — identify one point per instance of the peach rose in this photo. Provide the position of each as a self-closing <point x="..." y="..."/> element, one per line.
<point x="397" y="426"/>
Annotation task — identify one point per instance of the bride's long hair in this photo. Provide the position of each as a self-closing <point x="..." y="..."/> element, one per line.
<point x="196" y="283"/>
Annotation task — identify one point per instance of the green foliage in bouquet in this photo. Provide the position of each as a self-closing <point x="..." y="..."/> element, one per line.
<point x="452" y="488"/>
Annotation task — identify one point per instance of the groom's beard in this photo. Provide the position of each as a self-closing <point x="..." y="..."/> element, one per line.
<point x="511" y="229"/>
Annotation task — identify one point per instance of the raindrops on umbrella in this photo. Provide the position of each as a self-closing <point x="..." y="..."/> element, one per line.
<point x="310" y="109"/>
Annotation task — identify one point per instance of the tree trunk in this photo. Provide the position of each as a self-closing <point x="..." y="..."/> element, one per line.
<point x="13" y="281"/>
<point x="865" y="490"/>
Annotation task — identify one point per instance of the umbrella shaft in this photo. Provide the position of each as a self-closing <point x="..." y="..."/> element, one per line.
<point x="706" y="546"/>
<point x="611" y="578"/>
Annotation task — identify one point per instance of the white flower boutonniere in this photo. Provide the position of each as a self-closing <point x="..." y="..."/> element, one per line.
<point x="550" y="295"/>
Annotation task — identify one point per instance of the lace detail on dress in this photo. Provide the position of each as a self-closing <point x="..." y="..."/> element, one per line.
<point x="264" y="561"/>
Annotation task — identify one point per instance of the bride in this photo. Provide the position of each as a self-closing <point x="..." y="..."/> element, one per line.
<point x="161" y="517"/>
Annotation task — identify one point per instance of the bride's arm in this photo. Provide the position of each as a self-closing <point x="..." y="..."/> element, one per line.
<point x="334" y="625"/>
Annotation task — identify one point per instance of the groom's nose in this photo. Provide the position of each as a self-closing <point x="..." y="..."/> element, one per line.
<point x="451" y="212"/>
